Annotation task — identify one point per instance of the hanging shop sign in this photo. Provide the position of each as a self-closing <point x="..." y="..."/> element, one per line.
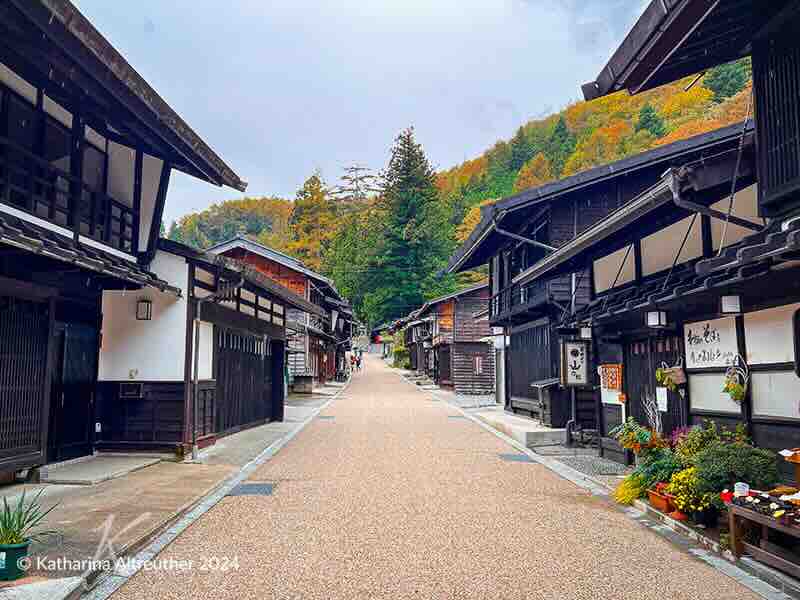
<point x="610" y="383"/>
<point x="711" y="343"/>
<point x="574" y="363"/>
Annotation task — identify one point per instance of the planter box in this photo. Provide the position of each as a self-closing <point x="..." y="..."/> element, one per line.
<point x="662" y="502"/>
<point x="9" y="561"/>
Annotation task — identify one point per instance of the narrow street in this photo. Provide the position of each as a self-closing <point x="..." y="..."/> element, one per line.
<point x="391" y="494"/>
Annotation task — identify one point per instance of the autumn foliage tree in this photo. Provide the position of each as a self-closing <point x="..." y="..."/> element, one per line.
<point x="536" y="172"/>
<point x="266" y="219"/>
<point x="313" y="222"/>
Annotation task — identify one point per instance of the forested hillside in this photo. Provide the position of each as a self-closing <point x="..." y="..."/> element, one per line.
<point x="383" y="239"/>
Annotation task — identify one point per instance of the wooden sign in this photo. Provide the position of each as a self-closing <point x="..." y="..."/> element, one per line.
<point x="574" y="363"/>
<point x="711" y="343"/>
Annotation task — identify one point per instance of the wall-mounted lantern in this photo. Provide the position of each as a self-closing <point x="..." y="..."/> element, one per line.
<point x="586" y="332"/>
<point x="656" y="319"/>
<point x="730" y="305"/>
<point x="144" y="310"/>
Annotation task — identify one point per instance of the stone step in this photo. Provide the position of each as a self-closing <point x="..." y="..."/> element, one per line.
<point x="526" y="431"/>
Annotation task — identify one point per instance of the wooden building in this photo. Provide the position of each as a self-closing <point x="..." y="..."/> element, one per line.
<point x="417" y="339"/>
<point x="517" y="234"/>
<point x="86" y="152"/>
<point x="458" y="355"/>
<point x="318" y="342"/>
<point x="729" y="296"/>
<point x="218" y="332"/>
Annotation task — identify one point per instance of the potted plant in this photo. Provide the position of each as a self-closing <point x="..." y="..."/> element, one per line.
<point x="689" y="500"/>
<point x="660" y="499"/>
<point x="18" y="527"/>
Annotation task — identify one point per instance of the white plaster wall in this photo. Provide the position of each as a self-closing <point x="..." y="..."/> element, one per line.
<point x="606" y="269"/>
<point x="205" y="359"/>
<point x="18" y="84"/>
<point x="121" y="161"/>
<point x="146" y="350"/>
<point x="745" y="206"/>
<point x="151" y="175"/>
<point x="769" y="335"/>
<point x="660" y="248"/>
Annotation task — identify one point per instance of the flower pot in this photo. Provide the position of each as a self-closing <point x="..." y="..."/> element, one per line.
<point x="706" y="518"/>
<point x="660" y="501"/>
<point x="678" y="515"/>
<point x="10" y="555"/>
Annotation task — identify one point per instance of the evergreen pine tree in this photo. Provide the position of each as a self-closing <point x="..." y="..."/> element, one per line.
<point x="649" y="120"/>
<point x="417" y="236"/>
<point x="560" y="146"/>
<point x="729" y="79"/>
<point x="521" y="150"/>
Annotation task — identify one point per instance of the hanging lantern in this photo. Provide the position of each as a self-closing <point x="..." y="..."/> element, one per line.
<point x="656" y="319"/>
<point x="144" y="310"/>
<point x="730" y="305"/>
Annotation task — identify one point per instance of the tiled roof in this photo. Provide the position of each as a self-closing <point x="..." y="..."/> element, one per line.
<point x="39" y="240"/>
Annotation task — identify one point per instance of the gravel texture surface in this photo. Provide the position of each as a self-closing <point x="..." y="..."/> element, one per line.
<point x="392" y="498"/>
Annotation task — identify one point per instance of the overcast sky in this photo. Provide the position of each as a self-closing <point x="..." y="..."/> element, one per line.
<point x="280" y="88"/>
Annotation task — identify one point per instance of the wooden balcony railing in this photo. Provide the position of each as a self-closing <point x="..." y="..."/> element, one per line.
<point x="516" y="297"/>
<point x="30" y="183"/>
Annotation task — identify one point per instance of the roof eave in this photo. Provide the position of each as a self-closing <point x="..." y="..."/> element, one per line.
<point x="93" y="46"/>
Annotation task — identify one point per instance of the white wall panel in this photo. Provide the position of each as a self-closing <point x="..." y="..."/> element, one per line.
<point x="149" y="350"/>
<point x="745" y="206"/>
<point x="18" y="84"/>
<point x="705" y="393"/>
<point x="121" y="163"/>
<point x="769" y="335"/>
<point x="151" y="176"/>
<point x="776" y="394"/>
<point x="606" y="268"/>
<point x="660" y="248"/>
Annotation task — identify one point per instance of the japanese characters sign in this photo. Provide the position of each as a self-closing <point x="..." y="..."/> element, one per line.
<point x="574" y="363"/>
<point x="710" y="343"/>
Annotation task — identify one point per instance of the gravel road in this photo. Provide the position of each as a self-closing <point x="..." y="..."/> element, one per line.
<point x="394" y="495"/>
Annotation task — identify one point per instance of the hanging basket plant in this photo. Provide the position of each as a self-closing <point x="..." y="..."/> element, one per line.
<point x="737" y="378"/>
<point x="671" y="377"/>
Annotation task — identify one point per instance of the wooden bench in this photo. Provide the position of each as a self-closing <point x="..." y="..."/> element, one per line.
<point x="766" y="552"/>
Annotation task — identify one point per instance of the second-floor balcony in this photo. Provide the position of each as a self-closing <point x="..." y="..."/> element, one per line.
<point x="517" y="300"/>
<point x="32" y="184"/>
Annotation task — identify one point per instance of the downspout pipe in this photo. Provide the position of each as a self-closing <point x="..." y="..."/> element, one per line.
<point x="681" y="202"/>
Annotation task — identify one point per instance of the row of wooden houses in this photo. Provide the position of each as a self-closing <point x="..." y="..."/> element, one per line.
<point x="448" y="340"/>
<point x="111" y="338"/>
<point x="681" y="260"/>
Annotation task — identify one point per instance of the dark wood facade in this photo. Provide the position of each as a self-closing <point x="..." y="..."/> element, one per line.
<point x="86" y="152"/>
<point x="448" y="341"/>
<point x="530" y="309"/>
<point x="318" y="341"/>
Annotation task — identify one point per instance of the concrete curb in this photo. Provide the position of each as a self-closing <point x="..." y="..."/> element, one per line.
<point x="153" y="542"/>
<point x="751" y="578"/>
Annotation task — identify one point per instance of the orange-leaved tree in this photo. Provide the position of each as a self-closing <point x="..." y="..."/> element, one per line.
<point x="313" y="223"/>
<point x="534" y="173"/>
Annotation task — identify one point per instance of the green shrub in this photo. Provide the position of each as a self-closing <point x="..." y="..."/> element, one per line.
<point x="402" y="358"/>
<point x="658" y="464"/>
<point x="694" y="441"/>
<point x="721" y="464"/>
